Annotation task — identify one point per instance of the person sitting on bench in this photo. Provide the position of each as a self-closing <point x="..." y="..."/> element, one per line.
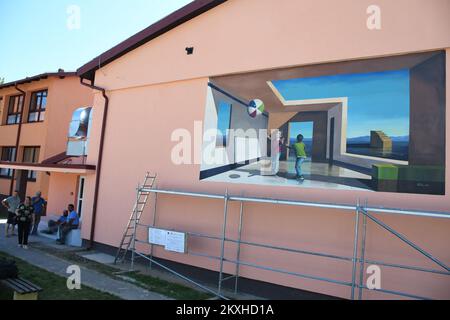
<point x="53" y="225"/>
<point x="72" y="223"/>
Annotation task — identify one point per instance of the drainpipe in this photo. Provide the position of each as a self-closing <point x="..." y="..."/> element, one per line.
<point x="19" y="130"/>
<point x="100" y="158"/>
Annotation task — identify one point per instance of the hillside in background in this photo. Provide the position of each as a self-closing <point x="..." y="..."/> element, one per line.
<point x="366" y="139"/>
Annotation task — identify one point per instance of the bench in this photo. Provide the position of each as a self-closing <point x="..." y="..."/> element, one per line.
<point x="73" y="238"/>
<point x="23" y="289"/>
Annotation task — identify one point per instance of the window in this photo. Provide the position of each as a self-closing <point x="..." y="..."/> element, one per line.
<point x="38" y="104"/>
<point x="14" y="109"/>
<point x="223" y="123"/>
<point x="7" y="154"/>
<point x="31" y="155"/>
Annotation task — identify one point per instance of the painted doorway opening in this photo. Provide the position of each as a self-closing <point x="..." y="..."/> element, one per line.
<point x="331" y="143"/>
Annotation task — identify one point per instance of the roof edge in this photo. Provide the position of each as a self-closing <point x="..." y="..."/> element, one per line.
<point x="173" y="20"/>
<point x="56" y="158"/>
<point x="48" y="165"/>
<point x="38" y="77"/>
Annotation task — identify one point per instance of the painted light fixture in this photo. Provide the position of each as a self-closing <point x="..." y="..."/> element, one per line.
<point x="255" y="108"/>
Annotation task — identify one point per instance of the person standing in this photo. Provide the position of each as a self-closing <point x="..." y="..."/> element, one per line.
<point x="277" y="143"/>
<point x="300" y="153"/>
<point x="24" y="218"/>
<point x="39" y="205"/>
<point x="11" y="203"/>
<point x="280" y="141"/>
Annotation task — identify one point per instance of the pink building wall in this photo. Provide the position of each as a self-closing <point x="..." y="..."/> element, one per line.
<point x="157" y="88"/>
<point x="62" y="191"/>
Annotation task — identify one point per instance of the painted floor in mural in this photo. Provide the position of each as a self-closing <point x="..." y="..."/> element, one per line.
<point x="317" y="175"/>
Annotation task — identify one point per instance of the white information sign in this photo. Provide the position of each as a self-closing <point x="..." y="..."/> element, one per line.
<point x="171" y="240"/>
<point x="176" y="242"/>
<point x="157" y="236"/>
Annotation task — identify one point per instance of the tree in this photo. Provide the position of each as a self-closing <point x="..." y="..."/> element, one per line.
<point x="2" y="80"/>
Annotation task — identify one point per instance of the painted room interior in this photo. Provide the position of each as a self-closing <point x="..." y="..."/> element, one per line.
<point x="367" y="121"/>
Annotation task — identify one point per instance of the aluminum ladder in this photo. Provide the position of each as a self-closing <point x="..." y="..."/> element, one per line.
<point x="138" y="209"/>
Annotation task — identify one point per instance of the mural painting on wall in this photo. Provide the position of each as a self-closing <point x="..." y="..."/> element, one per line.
<point x="375" y="125"/>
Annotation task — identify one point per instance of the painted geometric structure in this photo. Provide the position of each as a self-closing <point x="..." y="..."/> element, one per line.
<point x="379" y="140"/>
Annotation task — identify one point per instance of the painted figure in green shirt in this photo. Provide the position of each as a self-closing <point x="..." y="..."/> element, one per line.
<point x="300" y="153"/>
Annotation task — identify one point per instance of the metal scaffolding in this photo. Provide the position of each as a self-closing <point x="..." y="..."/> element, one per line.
<point x="358" y="257"/>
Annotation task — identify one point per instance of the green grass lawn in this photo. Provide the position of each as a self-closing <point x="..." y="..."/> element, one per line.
<point x="169" y="289"/>
<point x="54" y="287"/>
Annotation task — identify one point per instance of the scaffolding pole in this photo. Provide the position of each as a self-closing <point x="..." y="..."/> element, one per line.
<point x="238" y="254"/>
<point x="421" y="213"/>
<point x="355" y="251"/>
<point x="222" y="250"/>
<point x="405" y="240"/>
<point x="362" y="258"/>
<point x="135" y="222"/>
<point x="153" y="225"/>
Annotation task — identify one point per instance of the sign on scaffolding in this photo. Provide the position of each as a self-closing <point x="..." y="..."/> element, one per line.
<point x="171" y="240"/>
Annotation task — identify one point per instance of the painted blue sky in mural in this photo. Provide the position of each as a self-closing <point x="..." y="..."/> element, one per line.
<point x="223" y="119"/>
<point x="376" y="101"/>
<point x="304" y="128"/>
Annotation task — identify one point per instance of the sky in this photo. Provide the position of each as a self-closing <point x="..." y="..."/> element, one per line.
<point x="40" y="36"/>
<point x="376" y="101"/>
<point x="223" y="118"/>
<point x="304" y="128"/>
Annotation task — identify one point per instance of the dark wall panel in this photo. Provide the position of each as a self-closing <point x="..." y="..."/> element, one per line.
<point x="427" y="120"/>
